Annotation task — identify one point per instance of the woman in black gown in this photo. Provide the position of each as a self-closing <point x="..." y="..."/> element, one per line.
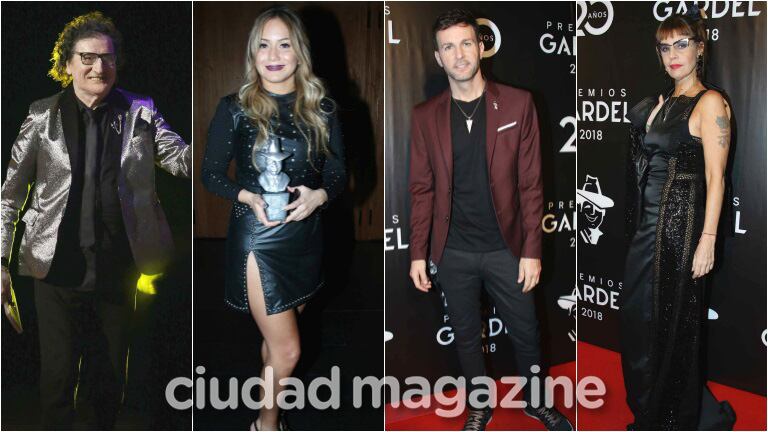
<point x="274" y="267"/>
<point x="679" y="153"/>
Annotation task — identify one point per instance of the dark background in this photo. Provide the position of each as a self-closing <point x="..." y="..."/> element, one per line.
<point x="346" y="55"/>
<point x="623" y="57"/>
<point x="158" y="58"/>
<point x="342" y="325"/>
<point x="415" y="319"/>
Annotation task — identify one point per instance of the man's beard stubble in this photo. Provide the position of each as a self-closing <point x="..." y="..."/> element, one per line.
<point x="469" y="77"/>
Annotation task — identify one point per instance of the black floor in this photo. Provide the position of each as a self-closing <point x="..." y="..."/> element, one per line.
<point x="160" y="350"/>
<point x="342" y="326"/>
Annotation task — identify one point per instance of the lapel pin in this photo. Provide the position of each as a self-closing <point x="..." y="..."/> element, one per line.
<point x="495" y="106"/>
<point x="117" y="124"/>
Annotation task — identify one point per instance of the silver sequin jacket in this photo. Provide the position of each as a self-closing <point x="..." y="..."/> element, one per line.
<point x="39" y="177"/>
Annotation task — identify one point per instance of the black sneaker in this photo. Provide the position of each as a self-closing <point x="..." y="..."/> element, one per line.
<point x="551" y="418"/>
<point x="478" y="419"/>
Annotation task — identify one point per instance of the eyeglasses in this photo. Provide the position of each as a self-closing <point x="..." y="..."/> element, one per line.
<point x="88" y="59"/>
<point x="680" y="45"/>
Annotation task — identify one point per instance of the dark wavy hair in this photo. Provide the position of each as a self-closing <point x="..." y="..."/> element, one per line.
<point x="82" y="27"/>
<point x="690" y="24"/>
<point x="454" y="17"/>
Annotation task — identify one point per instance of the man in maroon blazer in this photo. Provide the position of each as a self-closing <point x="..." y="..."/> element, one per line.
<point x="475" y="183"/>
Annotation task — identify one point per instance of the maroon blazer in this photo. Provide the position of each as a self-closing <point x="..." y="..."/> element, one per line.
<point x="514" y="167"/>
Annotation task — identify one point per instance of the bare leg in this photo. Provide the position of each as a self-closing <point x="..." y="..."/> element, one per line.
<point x="264" y="348"/>
<point x="281" y="347"/>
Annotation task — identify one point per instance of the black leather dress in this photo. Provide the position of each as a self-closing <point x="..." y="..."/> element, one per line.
<point x="662" y="306"/>
<point x="288" y="255"/>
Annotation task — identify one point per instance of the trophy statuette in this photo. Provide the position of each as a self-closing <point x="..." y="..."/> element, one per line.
<point x="269" y="162"/>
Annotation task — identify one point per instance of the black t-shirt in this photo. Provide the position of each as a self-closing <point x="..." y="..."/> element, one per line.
<point x="474" y="227"/>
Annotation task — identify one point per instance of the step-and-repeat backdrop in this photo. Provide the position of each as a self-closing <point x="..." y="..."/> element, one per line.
<point x="617" y="68"/>
<point x="530" y="46"/>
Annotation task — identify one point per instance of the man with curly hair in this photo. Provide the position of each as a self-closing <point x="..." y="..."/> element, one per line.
<point x="83" y="163"/>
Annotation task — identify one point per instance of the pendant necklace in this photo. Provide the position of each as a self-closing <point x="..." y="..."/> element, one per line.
<point x="468" y="118"/>
<point x="669" y="106"/>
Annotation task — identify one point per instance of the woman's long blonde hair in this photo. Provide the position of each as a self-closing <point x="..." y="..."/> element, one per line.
<point x="307" y="111"/>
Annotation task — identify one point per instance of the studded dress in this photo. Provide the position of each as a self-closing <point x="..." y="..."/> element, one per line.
<point x="288" y="255"/>
<point x="662" y="306"/>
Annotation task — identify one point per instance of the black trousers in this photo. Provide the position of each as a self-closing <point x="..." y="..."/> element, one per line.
<point x="83" y="348"/>
<point x="462" y="276"/>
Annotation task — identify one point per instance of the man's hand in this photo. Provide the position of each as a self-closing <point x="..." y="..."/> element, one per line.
<point x="6" y="292"/>
<point x="418" y="275"/>
<point x="529" y="271"/>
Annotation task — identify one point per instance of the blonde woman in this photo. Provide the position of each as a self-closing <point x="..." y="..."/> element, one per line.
<point x="274" y="267"/>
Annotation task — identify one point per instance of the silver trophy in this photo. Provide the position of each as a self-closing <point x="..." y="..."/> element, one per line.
<point x="269" y="162"/>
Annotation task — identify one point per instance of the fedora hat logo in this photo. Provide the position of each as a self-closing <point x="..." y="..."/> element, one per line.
<point x="591" y="192"/>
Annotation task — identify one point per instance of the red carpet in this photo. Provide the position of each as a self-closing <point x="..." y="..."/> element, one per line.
<point x="402" y="418"/>
<point x="615" y="415"/>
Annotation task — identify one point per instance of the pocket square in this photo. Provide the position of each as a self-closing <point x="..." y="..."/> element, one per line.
<point x="506" y="126"/>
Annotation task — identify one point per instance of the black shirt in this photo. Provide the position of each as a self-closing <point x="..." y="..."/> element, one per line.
<point x="101" y="214"/>
<point x="474" y="227"/>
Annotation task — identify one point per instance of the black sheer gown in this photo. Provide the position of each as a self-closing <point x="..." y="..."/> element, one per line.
<point x="662" y="307"/>
<point x="288" y="255"/>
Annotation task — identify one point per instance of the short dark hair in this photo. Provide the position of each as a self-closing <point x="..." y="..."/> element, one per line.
<point x="690" y="24"/>
<point x="82" y="27"/>
<point x="454" y="17"/>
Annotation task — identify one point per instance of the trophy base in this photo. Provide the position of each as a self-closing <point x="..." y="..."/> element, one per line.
<point x="275" y="203"/>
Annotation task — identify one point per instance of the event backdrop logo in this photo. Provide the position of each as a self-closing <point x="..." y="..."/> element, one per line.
<point x="490" y="36"/>
<point x="556" y="40"/>
<point x="738" y="228"/>
<point x="595" y="18"/>
<point x="568" y="303"/>
<point x="395" y="238"/>
<point x="570" y="143"/>
<point x="555" y="219"/>
<point x="715" y="9"/>
<point x="597" y="294"/>
<point x="591" y="204"/>
<point x="390" y="28"/>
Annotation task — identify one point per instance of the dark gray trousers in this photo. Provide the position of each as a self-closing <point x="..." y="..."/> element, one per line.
<point x="462" y="276"/>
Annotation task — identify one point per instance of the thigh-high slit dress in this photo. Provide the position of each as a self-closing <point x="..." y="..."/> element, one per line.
<point x="288" y="256"/>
